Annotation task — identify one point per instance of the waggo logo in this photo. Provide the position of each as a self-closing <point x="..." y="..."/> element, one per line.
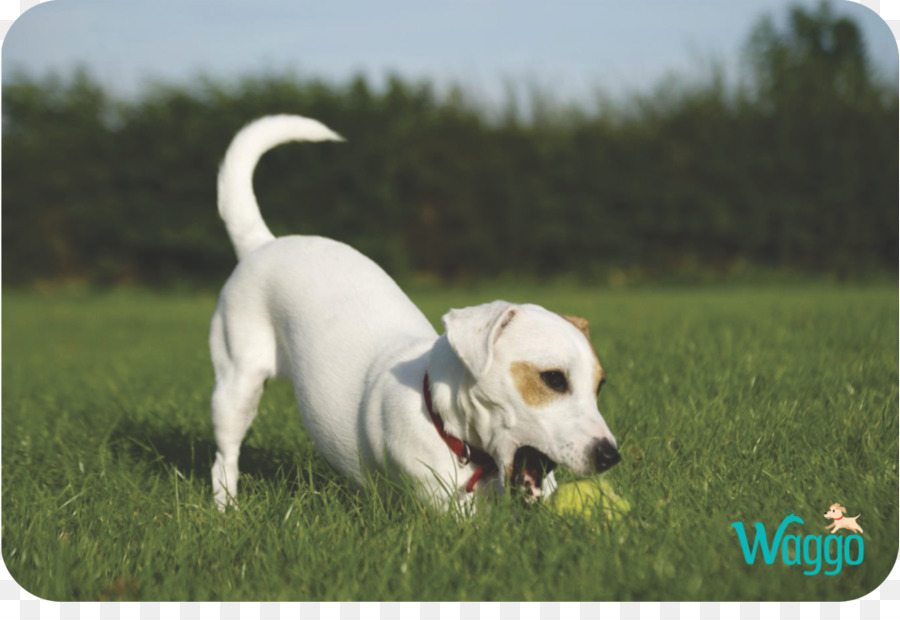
<point x="796" y="550"/>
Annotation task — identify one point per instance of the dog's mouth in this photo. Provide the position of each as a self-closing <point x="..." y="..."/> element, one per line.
<point x="530" y="467"/>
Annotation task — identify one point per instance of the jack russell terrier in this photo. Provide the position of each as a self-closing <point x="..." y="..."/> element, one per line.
<point x="504" y="395"/>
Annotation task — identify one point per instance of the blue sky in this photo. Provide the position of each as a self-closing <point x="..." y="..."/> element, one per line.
<point x="572" y="48"/>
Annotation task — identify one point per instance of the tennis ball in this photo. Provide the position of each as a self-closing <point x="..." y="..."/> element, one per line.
<point x="589" y="497"/>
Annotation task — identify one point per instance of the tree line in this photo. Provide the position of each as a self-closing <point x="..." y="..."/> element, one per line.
<point x="791" y="170"/>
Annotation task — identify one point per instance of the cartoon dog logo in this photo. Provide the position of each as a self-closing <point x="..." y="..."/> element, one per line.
<point x="837" y="512"/>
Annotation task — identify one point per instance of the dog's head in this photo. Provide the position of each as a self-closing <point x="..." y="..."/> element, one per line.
<point x="533" y="380"/>
<point x="835" y="511"/>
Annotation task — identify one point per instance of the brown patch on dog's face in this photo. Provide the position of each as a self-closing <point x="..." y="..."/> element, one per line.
<point x="533" y="389"/>
<point x="582" y="325"/>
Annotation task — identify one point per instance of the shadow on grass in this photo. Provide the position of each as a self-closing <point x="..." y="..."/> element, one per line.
<point x="192" y="452"/>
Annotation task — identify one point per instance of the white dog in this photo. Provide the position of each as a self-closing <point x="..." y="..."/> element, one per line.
<point x="498" y="400"/>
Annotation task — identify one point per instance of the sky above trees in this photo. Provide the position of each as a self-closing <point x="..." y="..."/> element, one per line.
<point x="570" y="48"/>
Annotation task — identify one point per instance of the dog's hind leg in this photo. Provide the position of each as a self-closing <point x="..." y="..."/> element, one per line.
<point x="234" y="404"/>
<point x="239" y="386"/>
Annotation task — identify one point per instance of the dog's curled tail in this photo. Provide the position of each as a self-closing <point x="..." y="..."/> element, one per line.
<point x="237" y="202"/>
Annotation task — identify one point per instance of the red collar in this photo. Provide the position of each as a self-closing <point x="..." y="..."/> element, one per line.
<point x="839" y="518"/>
<point x="461" y="449"/>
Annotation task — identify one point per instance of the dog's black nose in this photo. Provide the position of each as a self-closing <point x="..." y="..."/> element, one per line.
<point x="604" y="455"/>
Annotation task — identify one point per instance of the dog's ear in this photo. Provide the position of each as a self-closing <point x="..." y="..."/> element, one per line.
<point x="842" y="509"/>
<point x="580" y="323"/>
<point x="473" y="331"/>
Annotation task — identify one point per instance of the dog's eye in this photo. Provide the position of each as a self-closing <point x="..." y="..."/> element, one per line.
<point x="555" y="380"/>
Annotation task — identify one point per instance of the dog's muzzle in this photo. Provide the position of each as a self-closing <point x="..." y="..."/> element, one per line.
<point x="604" y="455"/>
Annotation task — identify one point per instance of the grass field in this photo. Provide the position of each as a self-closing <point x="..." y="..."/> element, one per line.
<point x="734" y="404"/>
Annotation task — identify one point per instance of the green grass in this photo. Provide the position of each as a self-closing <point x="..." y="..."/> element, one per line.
<point x="733" y="404"/>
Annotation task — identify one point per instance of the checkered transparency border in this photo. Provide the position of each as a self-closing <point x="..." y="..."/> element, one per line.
<point x="16" y="602"/>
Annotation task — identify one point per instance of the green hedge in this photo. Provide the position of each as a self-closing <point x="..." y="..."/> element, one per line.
<point x="793" y="170"/>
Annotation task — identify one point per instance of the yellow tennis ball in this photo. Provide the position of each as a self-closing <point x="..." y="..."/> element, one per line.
<point x="589" y="497"/>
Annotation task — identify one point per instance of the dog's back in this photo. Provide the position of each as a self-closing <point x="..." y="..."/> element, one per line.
<point x="319" y="322"/>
